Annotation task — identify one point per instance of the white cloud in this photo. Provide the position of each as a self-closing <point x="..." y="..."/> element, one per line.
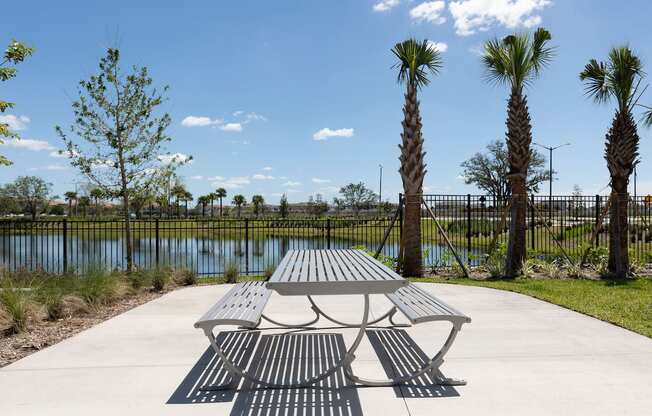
<point x="231" y="127"/>
<point x="103" y="164"/>
<point x="429" y="11"/>
<point x="235" y="182"/>
<point x="291" y="183"/>
<point x="267" y="168"/>
<point x="215" y="178"/>
<point x="15" y="123"/>
<point x="199" y="121"/>
<point x="29" y="144"/>
<point x="318" y="180"/>
<point x="51" y="167"/>
<point x="473" y="15"/>
<point x="238" y="113"/>
<point x="260" y="177"/>
<point x="197" y="177"/>
<point x="329" y="190"/>
<point x="62" y="154"/>
<point x="292" y="191"/>
<point x="325" y="133"/>
<point x="441" y="47"/>
<point x="255" y="117"/>
<point x="385" y="5"/>
<point x="179" y="158"/>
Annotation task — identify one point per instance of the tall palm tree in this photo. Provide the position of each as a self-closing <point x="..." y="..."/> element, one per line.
<point x="70" y="197"/>
<point x="618" y="78"/>
<point x="416" y="61"/>
<point x="97" y="194"/>
<point x="239" y="201"/>
<point x="203" y="201"/>
<point x="220" y="193"/>
<point x="211" y="197"/>
<point x="186" y="197"/>
<point x="259" y="203"/>
<point x="515" y="61"/>
<point x="178" y="192"/>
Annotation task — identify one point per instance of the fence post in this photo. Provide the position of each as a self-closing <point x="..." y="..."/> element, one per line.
<point x="532" y="224"/>
<point x="157" y="244"/>
<point x="597" y="219"/>
<point x="468" y="228"/>
<point x="328" y="233"/>
<point x="246" y="246"/>
<point x="65" y="245"/>
<point x="400" y="219"/>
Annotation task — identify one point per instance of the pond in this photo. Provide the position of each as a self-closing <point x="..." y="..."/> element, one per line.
<point x="205" y="256"/>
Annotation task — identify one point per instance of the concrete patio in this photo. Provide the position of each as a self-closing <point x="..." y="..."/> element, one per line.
<point x="519" y="355"/>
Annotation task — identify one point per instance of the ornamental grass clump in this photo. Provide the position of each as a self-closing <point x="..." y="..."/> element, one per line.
<point x="98" y="287"/>
<point x="15" y="308"/>
<point x="231" y="273"/>
<point x="184" y="277"/>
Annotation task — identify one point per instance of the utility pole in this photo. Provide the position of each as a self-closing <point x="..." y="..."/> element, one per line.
<point x="380" y="186"/>
<point x="550" y="149"/>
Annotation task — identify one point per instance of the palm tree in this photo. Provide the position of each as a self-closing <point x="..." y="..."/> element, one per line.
<point x="211" y="197"/>
<point x="618" y="78"/>
<point x="516" y="61"/>
<point x="416" y="60"/>
<point x="259" y="204"/>
<point x="97" y="194"/>
<point x="239" y="201"/>
<point x="84" y="203"/>
<point x="178" y="192"/>
<point x="203" y="201"/>
<point x="70" y="196"/>
<point x="186" y="197"/>
<point x="220" y="193"/>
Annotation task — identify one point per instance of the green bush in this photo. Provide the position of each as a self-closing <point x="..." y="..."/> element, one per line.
<point x="231" y="273"/>
<point x="17" y="305"/>
<point x="574" y="231"/>
<point x="159" y="278"/>
<point x="478" y="227"/>
<point x="97" y="287"/>
<point x="185" y="277"/>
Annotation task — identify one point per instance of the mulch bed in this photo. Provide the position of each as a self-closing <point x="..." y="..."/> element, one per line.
<point x="42" y="333"/>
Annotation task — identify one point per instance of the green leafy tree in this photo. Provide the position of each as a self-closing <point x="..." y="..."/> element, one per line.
<point x="239" y="201"/>
<point x="118" y="136"/>
<point x="258" y="203"/>
<point x="356" y="196"/>
<point x="15" y="53"/>
<point x="219" y="194"/>
<point x="515" y="61"/>
<point x="284" y="207"/>
<point x="416" y="61"/>
<point x="618" y="78"/>
<point x="489" y="171"/>
<point x="317" y="206"/>
<point x="31" y="193"/>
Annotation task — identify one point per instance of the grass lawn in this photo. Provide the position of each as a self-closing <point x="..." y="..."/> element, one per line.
<point x="626" y="304"/>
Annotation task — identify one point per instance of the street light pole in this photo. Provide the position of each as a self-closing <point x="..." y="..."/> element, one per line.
<point x="380" y="186"/>
<point x="550" y="149"/>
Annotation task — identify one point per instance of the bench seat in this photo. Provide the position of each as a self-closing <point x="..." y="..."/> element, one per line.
<point x="420" y="306"/>
<point x="242" y="305"/>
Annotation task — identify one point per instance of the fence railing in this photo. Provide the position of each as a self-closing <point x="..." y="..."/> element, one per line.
<point x="473" y="224"/>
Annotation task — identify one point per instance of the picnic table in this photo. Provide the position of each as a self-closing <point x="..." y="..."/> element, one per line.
<point x="332" y="273"/>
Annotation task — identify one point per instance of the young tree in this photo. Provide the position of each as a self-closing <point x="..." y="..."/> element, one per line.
<point x="118" y="134"/>
<point x="239" y="201"/>
<point x="30" y="192"/>
<point x="219" y="194"/>
<point x="357" y="196"/>
<point x="15" y="53"/>
<point x="284" y="207"/>
<point x="577" y="203"/>
<point x="490" y="171"/>
<point x="618" y="78"/>
<point x="515" y="61"/>
<point x="258" y="203"/>
<point x="317" y="206"/>
<point x="416" y="60"/>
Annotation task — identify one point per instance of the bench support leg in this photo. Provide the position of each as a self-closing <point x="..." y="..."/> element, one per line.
<point x="389" y="314"/>
<point x="235" y="372"/>
<point x="430" y="367"/>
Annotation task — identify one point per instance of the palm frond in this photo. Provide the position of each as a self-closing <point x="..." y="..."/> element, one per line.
<point x="496" y="62"/>
<point x="541" y="54"/>
<point x="647" y="116"/>
<point x="595" y="77"/>
<point x="416" y="60"/>
<point x="624" y="70"/>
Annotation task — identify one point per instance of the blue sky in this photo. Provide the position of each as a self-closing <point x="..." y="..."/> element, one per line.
<point x="257" y="81"/>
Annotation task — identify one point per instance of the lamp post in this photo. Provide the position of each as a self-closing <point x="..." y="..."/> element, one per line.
<point x="550" y="149"/>
<point x="380" y="186"/>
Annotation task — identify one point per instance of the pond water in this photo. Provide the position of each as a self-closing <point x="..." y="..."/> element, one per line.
<point x="203" y="255"/>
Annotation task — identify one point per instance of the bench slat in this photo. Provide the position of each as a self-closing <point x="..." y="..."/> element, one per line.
<point x="242" y="305"/>
<point x="420" y="306"/>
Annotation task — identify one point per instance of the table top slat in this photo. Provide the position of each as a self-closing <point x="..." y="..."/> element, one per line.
<point x="333" y="272"/>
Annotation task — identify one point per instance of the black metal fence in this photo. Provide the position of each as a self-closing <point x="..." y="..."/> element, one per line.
<point x="473" y="223"/>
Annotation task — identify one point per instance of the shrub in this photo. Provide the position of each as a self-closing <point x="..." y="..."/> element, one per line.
<point x="529" y="267"/>
<point x="184" y="277"/>
<point x="231" y="273"/>
<point x="17" y="305"/>
<point x="574" y="269"/>
<point x="551" y="269"/>
<point x="97" y="288"/>
<point x="159" y="279"/>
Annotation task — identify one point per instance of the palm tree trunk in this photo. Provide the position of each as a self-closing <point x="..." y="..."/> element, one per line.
<point x="519" y="137"/>
<point x="413" y="170"/>
<point x="621" y="153"/>
<point x="221" y="208"/>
